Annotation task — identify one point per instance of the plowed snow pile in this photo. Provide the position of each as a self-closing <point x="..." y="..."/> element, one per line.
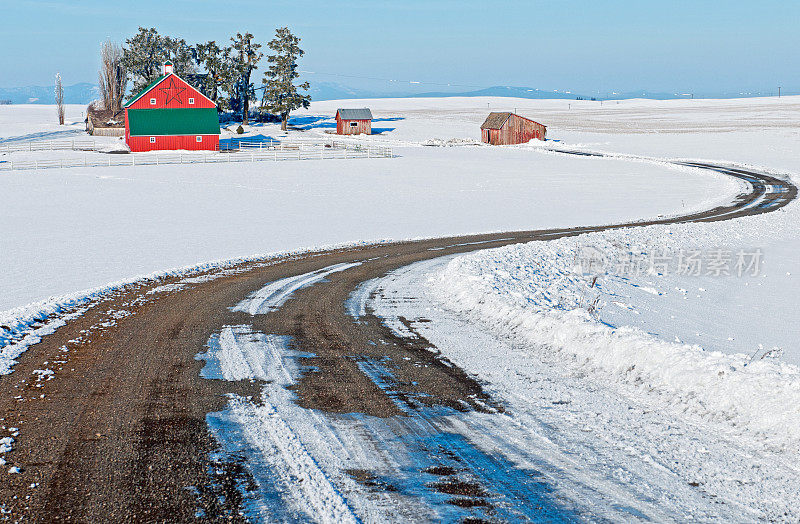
<point x="547" y="296"/>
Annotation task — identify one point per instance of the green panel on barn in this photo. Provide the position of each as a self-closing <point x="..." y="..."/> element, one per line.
<point x="158" y="122"/>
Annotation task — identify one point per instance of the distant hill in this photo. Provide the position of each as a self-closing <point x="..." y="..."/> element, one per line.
<point x="334" y="91"/>
<point x="85" y="92"/>
<point x="74" y="94"/>
<point x="507" y="91"/>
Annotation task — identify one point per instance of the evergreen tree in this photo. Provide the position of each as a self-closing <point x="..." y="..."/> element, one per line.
<point x="220" y="72"/>
<point x="181" y="54"/>
<point x="146" y="52"/>
<point x="281" y="96"/>
<point x="246" y="56"/>
<point x="143" y="57"/>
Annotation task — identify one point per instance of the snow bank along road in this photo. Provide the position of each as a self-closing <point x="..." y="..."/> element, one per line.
<point x="268" y="391"/>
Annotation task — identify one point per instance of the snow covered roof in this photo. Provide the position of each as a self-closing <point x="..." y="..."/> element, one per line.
<point x="354" y="114"/>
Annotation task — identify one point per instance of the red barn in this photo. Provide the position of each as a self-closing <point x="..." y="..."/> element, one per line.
<point x="510" y="128"/>
<point x="353" y="121"/>
<point x="170" y="114"/>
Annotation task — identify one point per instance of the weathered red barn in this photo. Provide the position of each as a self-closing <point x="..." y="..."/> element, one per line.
<point x="353" y="121"/>
<point x="170" y="114"/>
<point x="510" y="128"/>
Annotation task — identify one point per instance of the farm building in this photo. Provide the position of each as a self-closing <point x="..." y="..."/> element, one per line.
<point x="353" y="121"/>
<point x="103" y="122"/>
<point x="509" y="128"/>
<point x="170" y="114"/>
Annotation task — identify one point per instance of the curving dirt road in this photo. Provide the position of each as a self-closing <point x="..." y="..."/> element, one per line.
<point x="119" y="433"/>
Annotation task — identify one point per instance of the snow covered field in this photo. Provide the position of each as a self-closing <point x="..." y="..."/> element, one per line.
<point x="72" y="229"/>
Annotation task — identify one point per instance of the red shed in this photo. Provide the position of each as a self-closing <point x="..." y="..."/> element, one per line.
<point x="353" y="121"/>
<point x="510" y="128"/>
<point x="170" y="114"/>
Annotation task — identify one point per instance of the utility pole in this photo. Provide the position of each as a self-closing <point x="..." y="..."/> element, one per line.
<point x="779" y="92"/>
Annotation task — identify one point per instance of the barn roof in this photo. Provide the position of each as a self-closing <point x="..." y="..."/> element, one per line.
<point x="157" y="81"/>
<point x="355" y="114"/>
<point x="139" y="95"/>
<point x="495" y="120"/>
<point x="183" y="121"/>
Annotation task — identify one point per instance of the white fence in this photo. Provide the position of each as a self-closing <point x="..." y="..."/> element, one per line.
<point x="282" y="151"/>
<point x="50" y="145"/>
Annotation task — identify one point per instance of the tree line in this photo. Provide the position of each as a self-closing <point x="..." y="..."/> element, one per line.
<point x="224" y="73"/>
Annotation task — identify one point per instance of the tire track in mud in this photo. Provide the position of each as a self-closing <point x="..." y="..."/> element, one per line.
<point x="120" y="432"/>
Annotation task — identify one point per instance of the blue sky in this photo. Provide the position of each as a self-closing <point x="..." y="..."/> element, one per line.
<point x="583" y="46"/>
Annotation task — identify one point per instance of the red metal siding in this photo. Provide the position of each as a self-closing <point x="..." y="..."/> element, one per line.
<point x="172" y="92"/>
<point x="343" y="127"/>
<point x="169" y="143"/>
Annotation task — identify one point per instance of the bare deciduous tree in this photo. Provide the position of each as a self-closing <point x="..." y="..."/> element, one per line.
<point x="113" y="76"/>
<point x="59" y="99"/>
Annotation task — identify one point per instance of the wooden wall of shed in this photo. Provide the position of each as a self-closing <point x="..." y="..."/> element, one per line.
<point x="519" y="131"/>
<point x="343" y="127"/>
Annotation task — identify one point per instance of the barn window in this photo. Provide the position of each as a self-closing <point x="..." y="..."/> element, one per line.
<point x="152" y="101"/>
<point x="199" y="138"/>
<point x="191" y="100"/>
<point x="152" y="140"/>
<point x="353" y="124"/>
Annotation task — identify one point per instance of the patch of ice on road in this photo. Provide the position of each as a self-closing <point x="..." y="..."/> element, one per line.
<point x="43" y="374"/>
<point x="278" y="460"/>
<point x="275" y="294"/>
<point x="238" y="353"/>
<point x="166" y="288"/>
<point x="298" y="457"/>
